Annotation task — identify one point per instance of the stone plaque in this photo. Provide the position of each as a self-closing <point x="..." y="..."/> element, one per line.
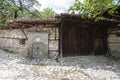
<point x="37" y="49"/>
<point x="38" y="44"/>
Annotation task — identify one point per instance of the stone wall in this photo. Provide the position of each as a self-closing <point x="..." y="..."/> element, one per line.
<point x="114" y="44"/>
<point x="10" y="39"/>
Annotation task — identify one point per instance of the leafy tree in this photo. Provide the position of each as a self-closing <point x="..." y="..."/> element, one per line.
<point x="10" y="9"/>
<point x="47" y="13"/>
<point x="93" y="8"/>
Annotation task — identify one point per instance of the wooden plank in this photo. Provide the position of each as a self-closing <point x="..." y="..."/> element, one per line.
<point x="53" y="50"/>
<point x="12" y="38"/>
<point x="60" y="39"/>
<point x="75" y="41"/>
<point x="55" y="33"/>
<point x="53" y="39"/>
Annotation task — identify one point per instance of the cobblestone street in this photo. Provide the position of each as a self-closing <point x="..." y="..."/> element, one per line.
<point x="13" y="67"/>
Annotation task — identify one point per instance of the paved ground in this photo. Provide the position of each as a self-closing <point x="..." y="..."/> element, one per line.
<point x="13" y="67"/>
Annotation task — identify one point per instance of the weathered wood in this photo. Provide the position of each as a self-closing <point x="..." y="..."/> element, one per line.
<point x="24" y="34"/>
<point x="12" y="38"/>
<point x="53" y="39"/>
<point x="75" y="41"/>
<point x="55" y="33"/>
<point x="22" y="41"/>
<point x="60" y="39"/>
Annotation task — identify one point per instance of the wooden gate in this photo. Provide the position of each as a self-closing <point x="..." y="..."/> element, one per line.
<point x="75" y="41"/>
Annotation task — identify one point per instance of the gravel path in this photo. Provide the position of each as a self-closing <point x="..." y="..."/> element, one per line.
<point x="13" y="67"/>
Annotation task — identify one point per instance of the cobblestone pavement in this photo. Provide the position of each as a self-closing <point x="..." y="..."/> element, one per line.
<point x="13" y="67"/>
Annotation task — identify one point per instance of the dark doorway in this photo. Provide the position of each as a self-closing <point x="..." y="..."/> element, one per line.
<point x="75" y="41"/>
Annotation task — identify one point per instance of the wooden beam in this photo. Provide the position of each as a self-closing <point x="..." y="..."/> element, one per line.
<point x="24" y="33"/>
<point x="78" y="21"/>
<point x="55" y="33"/>
<point x="53" y="39"/>
<point x="11" y="38"/>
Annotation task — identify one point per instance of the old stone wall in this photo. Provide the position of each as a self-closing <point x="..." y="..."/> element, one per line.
<point x="10" y="39"/>
<point x="114" y="44"/>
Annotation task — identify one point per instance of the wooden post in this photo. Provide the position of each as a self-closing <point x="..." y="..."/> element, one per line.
<point x="60" y="39"/>
<point x="55" y="33"/>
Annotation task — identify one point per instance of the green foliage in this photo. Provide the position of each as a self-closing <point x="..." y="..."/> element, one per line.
<point x="7" y="50"/>
<point x="10" y="9"/>
<point x="93" y="8"/>
<point x="2" y="25"/>
<point x="47" y="13"/>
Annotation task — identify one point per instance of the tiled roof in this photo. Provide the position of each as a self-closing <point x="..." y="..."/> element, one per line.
<point x="66" y="15"/>
<point x="67" y="18"/>
<point x="35" y="21"/>
<point x="26" y="23"/>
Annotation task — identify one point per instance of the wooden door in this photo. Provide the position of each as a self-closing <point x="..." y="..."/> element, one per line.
<point x="75" y="41"/>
